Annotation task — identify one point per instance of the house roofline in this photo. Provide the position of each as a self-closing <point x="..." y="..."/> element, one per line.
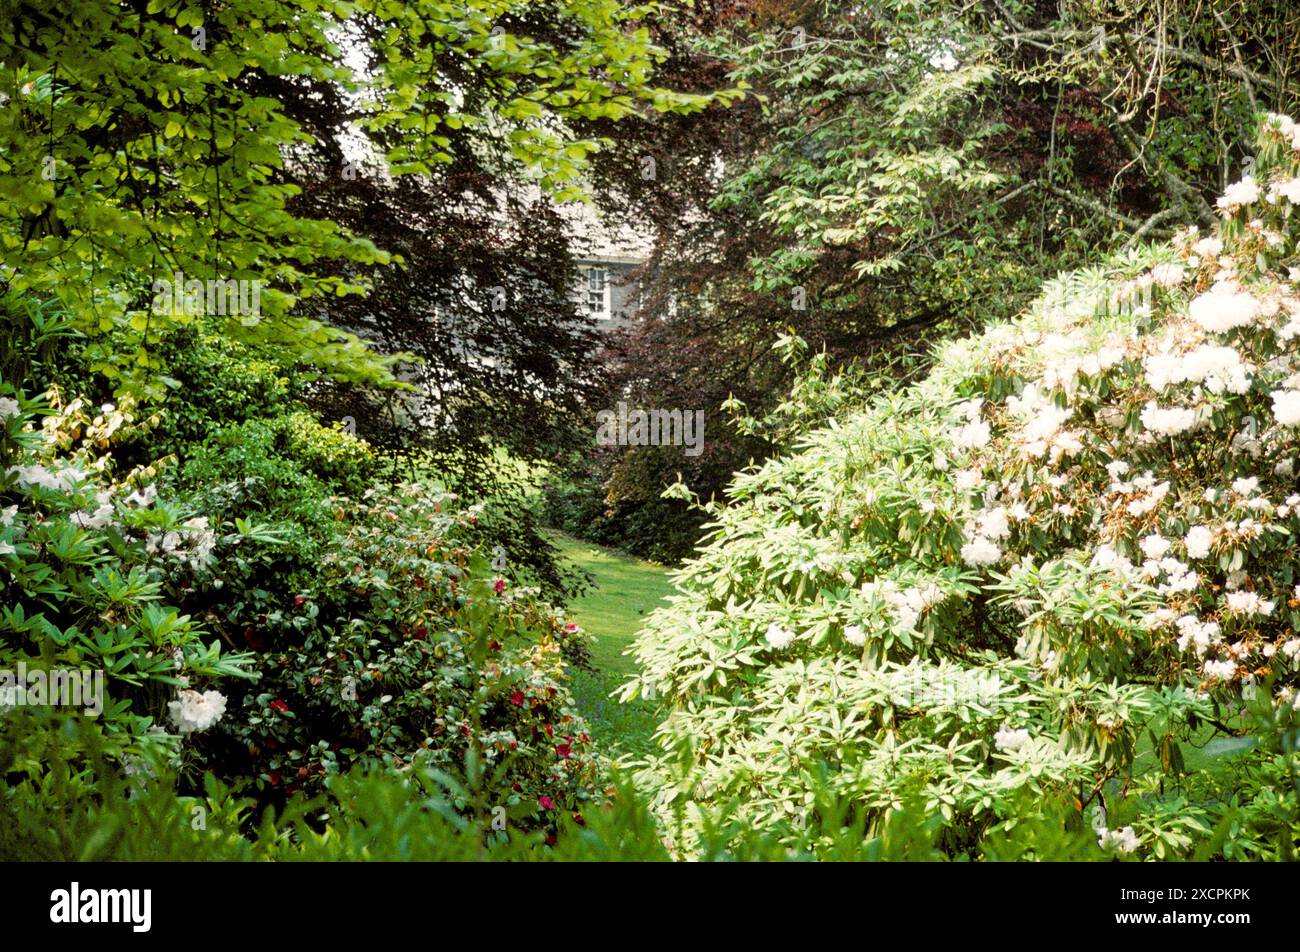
<point x="609" y="259"/>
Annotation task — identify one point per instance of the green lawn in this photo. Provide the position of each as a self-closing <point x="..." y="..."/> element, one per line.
<point x="624" y="592"/>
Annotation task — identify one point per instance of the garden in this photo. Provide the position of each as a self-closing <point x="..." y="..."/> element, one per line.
<point x="964" y="525"/>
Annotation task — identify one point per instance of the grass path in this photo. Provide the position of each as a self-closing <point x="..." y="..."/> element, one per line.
<point x="624" y="592"/>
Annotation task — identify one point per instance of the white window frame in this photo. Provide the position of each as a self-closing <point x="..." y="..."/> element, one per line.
<point x="596" y="292"/>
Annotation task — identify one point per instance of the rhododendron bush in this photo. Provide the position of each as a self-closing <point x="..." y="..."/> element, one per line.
<point x="223" y="654"/>
<point x="1033" y="578"/>
<point x="407" y="647"/>
<point x="85" y="557"/>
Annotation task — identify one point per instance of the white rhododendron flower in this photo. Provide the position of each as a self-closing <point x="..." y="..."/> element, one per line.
<point x="1222" y="670"/>
<point x="96" y="518"/>
<point x="1107" y="558"/>
<point x="1011" y="740"/>
<point x="1154" y="546"/>
<point x="1288" y="189"/>
<point x="64" y="480"/>
<point x="1222" y="308"/>
<point x="1167" y="421"/>
<point x="1123" y="840"/>
<point x="192" y="711"/>
<point x="144" y="498"/>
<point x="1248" y="603"/>
<point x="1198" y="541"/>
<point x="1245" y="485"/>
<point x="1192" y="632"/>
<point x="778" y="637"/>
<point x="1208" y="247"/>
<point x="993" y="524"/>
<point x="980" y="551"/>
<point x="1245" y="192"/>
<point x="855" y="635"/>
<point x="1286" y="407"/>
<point x="1168" y="275"/>
<point x="973" y="435"/>
<point x="8" y="408"/>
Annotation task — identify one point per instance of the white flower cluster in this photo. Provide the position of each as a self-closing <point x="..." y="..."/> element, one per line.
<point x="1042" y="420"/>
<point x="1193" y="632"/>
<point x="905" y="604"/>
<point x="778" y="637"/>
<point x="64" y="481"/>
<point x="192" y="711"/>
<point x="1218" y="368"/>
<point x="1223" y="308"/>
<point x="1010" y="740"/>
<point x="1149" y="493"/>
<point x="1198" y="541"/>
<point x="1239" y="194"/>
<point x="1167" y="421"/>
<point x="1248" y="603"/>
<point x="190" y="543"/>
<point x="989" y="528"/>
<point x="1123" y="840"/>
<point x="975" y="433"/>
<point x="1220" y="670"/>
<point x="1287" y="126"/>
<point x="98" y="517"/>
<point x="1286" y="407"/>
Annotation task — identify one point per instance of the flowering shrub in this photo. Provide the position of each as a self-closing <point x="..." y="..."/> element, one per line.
<point x="83" y="557"/>
<point x="378" y="633"/>
<point x="1029" y="579"/>
<point x="404" y="647"/>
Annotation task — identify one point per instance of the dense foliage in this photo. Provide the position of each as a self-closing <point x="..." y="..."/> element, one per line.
<point x="1031" y="579"/>
<point x="289" y="338"/>
<point x="904" y="171"/>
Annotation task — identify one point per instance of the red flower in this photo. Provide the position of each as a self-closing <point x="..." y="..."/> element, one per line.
<point x="517" y="699"/>
<point x="564" y="750"/>
<point x="499" y="585"/>
<point x="278" y="705"/>
<point x="299" y="600"/>
<point x="274" y="777"/>
<point x="546" y="802"/>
